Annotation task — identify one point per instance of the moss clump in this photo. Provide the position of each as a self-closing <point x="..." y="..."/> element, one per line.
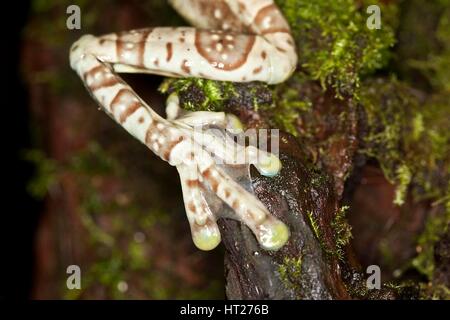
<point x="408" y="135"/>
<point x="290" y="272"/>
<point x="436" y="226"/>
<point x="342" y="231"/>
<point x="289" y="103"/>
<point x="434" y="292"/>
<point x="408" y="129"/>
<point x="437" y="67"/>
<point x="403" y="176"/>
<point x="357" y="287"/>
<point x="410" y="139"/>
<point x="314" y="225"/>
<point x="209" y="95"/>
<point x="335" y="46"/>
<point x="318" y="234"/>
<point x="199" y="94"/>
<point x="426" y="60"/>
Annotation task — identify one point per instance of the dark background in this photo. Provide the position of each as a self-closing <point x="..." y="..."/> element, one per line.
<point x="20" y="210"/>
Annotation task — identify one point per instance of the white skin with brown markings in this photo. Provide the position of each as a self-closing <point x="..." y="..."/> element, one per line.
<point x="235" y="40"/>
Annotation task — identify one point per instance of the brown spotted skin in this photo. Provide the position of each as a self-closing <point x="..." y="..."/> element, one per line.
<point x="224" y="51"/>
<point x="131" y="46"/>
<point x="98" y="78"/>
<point x="232" y="40"/>
<point x="169" y="51"/>
<point x="216" y="14"/>
<point x="270" y="20"/>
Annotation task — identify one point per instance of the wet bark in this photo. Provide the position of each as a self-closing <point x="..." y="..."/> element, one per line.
<point x="311" y="265"/>
<point x="307" y="201"/>
<point x="253" y="273"/>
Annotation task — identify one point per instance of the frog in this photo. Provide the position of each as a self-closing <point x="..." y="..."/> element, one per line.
<point x="228" y="40"/>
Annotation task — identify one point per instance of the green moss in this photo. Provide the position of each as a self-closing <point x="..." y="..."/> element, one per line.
<point x="289" y="104"/>
<point x="290" y="272"/>
<point x="386" y="103"/>
<point x="314" y="225"/>
<point x="335" y="46"/>
<point x="404" y="179"/>
<point x="434" y="292"/>
<point x="357" y="287"/>
<point x="342" y="231"/>
<point x="204" y="94"/>
<point x="317" y="232"/>
<point x="197" y="94"/>
<point x="435" y="227"/>
<point x="410" y="139"/>
<point x="429" y="54"/>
